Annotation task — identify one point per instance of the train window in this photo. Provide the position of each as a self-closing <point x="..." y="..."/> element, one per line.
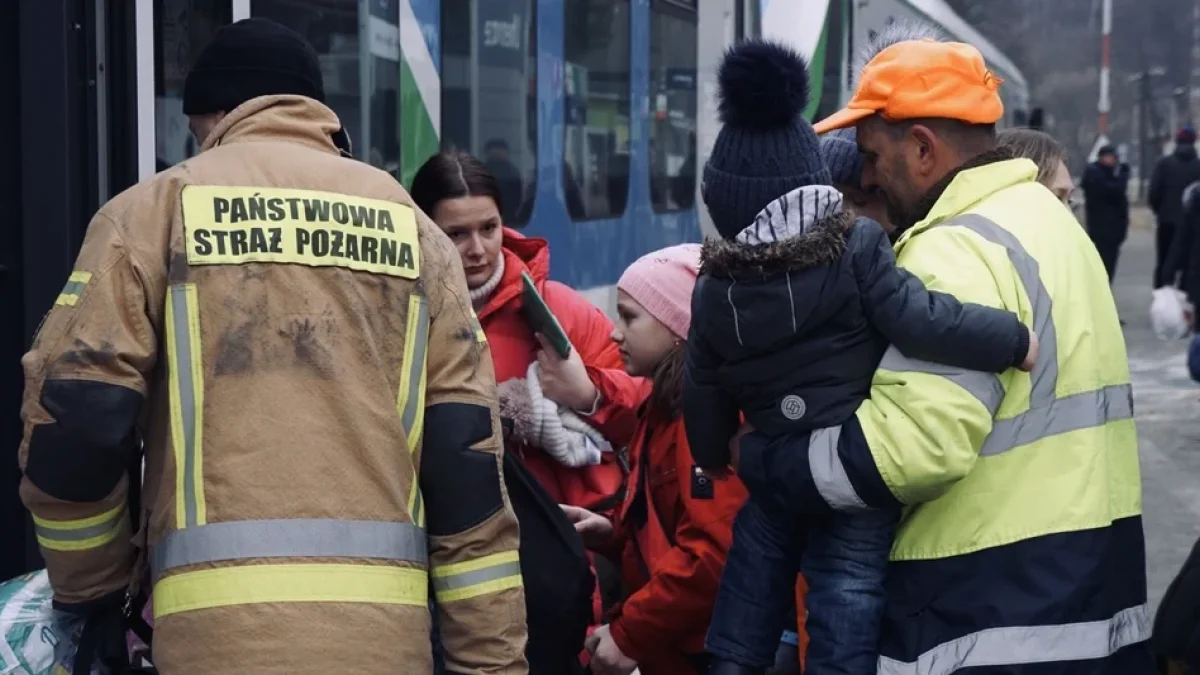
<point x="181" y="29"/>
<point x="489" y="93"/>
<point x="596" y="87"/>
<point x="673" y="60"/>
<point x="369" y="114"/>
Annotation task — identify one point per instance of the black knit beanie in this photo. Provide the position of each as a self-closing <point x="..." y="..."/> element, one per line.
<point x="766" y="148"/>
<point x="251" y="58"/>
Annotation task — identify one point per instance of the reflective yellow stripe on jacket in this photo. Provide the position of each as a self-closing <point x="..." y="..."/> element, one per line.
<point x="410" y="403"/>
<point x="81" y="534"/>
<point x="465" y="580"/>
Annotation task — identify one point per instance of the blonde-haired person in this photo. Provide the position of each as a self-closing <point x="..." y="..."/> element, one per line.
<point x="1049" y="155"/>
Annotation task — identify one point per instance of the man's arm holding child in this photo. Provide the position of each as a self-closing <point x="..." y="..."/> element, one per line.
<point x="929" y="325"/>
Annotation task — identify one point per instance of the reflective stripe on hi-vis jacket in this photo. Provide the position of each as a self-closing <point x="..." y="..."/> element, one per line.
<point x="81" y="534"/>
<point x="1029" y="645"/>
<point x="472" y="578"/>
<point x="410" y="401"/>
<point x="1048" y="415"/>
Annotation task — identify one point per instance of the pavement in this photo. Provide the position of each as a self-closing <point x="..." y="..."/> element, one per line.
<point x="1167" y="409"/>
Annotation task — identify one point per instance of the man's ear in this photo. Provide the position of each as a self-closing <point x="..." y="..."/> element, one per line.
<point x="924" y="150"/>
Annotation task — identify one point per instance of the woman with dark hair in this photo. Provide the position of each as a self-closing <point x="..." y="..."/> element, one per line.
<point x="563" y="417"/>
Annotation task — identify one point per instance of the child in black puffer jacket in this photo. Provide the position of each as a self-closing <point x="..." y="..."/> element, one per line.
<point x="795" y="306"/>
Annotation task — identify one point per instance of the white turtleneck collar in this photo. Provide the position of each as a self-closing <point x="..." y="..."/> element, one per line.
<point x="481" y="294"/>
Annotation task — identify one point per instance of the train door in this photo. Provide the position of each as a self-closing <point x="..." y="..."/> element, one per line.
<point x="99" y="91"/>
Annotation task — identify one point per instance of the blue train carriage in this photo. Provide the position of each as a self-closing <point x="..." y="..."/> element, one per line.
<point x="594" y="114"/>
<point x="588" y="111"/>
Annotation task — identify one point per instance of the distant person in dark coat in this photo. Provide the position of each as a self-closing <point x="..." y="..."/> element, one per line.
<point x="790" y="319"/>
<point x="508" y="178"/>
<point x="1172" y="175"/>
<point x="1107" y="205"/>
<point x="1183" y="259"/>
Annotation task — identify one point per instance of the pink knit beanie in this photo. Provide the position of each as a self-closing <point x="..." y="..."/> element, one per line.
<point x="662" y="282"/>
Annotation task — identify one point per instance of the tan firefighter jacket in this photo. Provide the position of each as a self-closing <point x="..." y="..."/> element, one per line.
<point x="293" y="341"/>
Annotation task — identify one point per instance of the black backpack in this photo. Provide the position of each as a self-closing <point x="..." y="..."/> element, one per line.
<point x="556" y="573"/>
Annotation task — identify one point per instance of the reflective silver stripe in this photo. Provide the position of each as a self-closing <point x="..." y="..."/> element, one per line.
<point x="1044" y="376"/>
<point x="109" y="524"/>
<point x="1048" y="415"/>
<point x="414" y="402"/>
<point x="74" y="287"/>
<point x="475" y="577"/>
<point x="300" y="538"/>
<point x="984" y="386"/>
<point x="1018" y="645"/>
<point x="828" y="472"/>
<point x="187" y="397"/>
<point x="1070" y="413"/>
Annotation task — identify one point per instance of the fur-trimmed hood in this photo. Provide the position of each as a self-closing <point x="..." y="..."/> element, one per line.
<point x="823" y="244"/>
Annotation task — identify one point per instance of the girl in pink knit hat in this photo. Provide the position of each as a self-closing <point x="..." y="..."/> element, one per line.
<point x="671" y="534"/>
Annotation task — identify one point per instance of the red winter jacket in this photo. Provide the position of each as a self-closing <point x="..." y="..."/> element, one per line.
<point x="514" y="347"/>
<point x="671" y="558"/>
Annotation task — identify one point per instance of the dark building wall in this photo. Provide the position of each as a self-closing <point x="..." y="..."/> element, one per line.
<point x="12" y="307"/>
<point x="48" y="195"/>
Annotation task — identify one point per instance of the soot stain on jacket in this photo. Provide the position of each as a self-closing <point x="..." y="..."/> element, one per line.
<point x="84" y="354"/>
<point x="306" y="344"/>
<point x="822" y="245"/>
<point x="177" y="269"/>
<point x="235" y="353"/>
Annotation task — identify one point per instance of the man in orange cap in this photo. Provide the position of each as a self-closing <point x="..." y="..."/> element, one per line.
<point x="1021" y="551"/>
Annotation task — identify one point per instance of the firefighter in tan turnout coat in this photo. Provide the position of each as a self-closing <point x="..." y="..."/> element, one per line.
<point x="293" y="342"/>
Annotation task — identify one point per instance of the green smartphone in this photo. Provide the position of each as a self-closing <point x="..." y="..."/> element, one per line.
<point x="541" y="319"/>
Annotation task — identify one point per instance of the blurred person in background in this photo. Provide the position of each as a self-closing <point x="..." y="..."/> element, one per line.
<point x="1106" y="205"/>
<point x="1182" y="265"/>
<point x="1172" y="175"/>
<point x="1049" y="155"/>
<point x="498" y="162"/>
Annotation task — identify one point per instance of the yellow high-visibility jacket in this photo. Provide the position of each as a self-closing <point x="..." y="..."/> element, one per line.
<point x="1021" y="544"/>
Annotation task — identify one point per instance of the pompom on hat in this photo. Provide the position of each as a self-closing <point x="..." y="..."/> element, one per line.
<point x="765" y="147"/>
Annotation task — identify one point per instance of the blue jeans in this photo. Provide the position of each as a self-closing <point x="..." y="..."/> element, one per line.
<point x="843" y="558"/>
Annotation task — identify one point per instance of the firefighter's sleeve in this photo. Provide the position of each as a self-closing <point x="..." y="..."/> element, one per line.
<point x="85" y="380"/>
<point x="475" y="570"/>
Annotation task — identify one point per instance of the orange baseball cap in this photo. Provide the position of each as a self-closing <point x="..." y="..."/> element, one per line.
<point x="923" y="78"/>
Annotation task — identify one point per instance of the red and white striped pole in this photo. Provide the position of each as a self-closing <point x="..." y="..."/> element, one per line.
<point x="1105" y="41"/>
